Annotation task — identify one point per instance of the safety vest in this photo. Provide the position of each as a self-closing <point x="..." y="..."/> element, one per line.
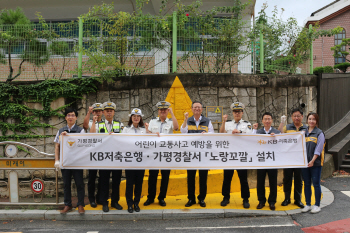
<point x="116" y="127"/>
<point x="290" y="128"/>
<point x="311" y="143"/>
<point x="202" y="127"/>
<point x="75" y="129"/>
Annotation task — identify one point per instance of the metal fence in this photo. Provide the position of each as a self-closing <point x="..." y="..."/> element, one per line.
<point x="145" y="45"/>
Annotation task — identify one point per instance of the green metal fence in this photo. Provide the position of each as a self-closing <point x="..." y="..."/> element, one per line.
<point x="145" y="45"/>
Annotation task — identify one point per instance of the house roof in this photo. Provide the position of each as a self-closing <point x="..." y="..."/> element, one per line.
<point x="328" y="12"/>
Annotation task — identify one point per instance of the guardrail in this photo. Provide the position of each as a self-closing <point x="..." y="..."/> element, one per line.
<point x="37" y="184"/>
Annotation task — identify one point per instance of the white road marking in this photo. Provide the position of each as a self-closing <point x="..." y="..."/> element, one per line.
<point x="92" y="232"/>
<point x="346" y="193"/>
<point x="229" y="227"/>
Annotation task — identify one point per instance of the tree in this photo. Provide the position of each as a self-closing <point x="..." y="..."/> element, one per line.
<point x="339" y="50"/>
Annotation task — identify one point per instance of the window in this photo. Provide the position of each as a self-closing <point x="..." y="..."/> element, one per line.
<point x="337" y="40"/>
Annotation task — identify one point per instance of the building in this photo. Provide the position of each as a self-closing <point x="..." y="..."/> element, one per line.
<point x="158" y="62"/>
<point x="334" y="14"/>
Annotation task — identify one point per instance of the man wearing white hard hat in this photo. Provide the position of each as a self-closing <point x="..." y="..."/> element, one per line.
<point x="238" y="125"/>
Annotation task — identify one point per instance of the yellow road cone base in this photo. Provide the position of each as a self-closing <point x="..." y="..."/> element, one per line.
<point x="213" y="202"/>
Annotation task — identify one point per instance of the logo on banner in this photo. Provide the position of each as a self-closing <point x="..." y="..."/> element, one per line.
<point x="71" y="142"/>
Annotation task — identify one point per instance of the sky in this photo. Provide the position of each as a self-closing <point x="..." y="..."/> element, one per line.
<point x="299" y="9"/>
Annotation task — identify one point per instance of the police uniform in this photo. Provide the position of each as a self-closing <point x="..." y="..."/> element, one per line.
<point x="134" y="177"/>
<point x="244" y="127"/>
<point x="68" y="173"/>
<point x="166" y="127"/>
<point x="95" y="107"/>
<point x="93" y="172"/>
<point x="202" y="125"/>
<point x="288" y="173"/>
<point x="107" y="127"/>
<point x="272" y="174"/>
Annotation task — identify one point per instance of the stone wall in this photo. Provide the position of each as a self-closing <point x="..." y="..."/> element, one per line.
<point x="259" y="93"/>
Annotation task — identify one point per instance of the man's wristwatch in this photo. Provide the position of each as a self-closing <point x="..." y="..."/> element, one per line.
<point x="240" y="131"/>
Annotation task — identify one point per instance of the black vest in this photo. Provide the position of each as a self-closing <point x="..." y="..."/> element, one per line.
<point x="202" y="127"/>
<point x="311" y="143"/>
<point x="75" y="129"/>
<point x="273" y="130"/>
<point x="291" y="128"/>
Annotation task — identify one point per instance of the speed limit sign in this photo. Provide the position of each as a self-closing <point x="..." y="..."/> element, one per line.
<point x="37" y="185"/>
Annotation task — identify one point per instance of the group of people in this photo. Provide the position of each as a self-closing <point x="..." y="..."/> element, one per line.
<point x="195" y="124"/>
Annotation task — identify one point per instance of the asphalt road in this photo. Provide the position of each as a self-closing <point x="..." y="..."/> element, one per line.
<point x="338" y="210"/>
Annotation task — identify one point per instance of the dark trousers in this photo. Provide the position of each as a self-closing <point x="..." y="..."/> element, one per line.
<point x="91" y="186"/>
<point x="261" y="174"/>
<point x="104" y="185"/>
<point x="312" y="175"/>
<point x="152" y="184"/>
<point x="67" y="183"/>
<point x="191" y="184"/>
<point x="133" y="177"/>
<point x="287" y="183"/>
<point x="226" y="185"/>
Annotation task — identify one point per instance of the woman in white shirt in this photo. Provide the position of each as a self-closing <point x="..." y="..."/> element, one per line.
<point x="134" y="177"/>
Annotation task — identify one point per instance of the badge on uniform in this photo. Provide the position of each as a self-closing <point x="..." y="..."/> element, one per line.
<point x="249" y="127"/>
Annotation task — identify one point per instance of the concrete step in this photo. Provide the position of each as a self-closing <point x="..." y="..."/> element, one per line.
<point x="346" y="162"/>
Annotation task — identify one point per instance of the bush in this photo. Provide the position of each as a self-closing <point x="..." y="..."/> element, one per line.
<point x="342" y="66"/>
<point x="328" y="69"/>
<point x="318" y="70"/>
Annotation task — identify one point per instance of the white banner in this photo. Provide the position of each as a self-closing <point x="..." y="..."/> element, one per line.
<point x="183" y="151"/>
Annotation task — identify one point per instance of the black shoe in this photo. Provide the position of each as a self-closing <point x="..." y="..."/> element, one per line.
<point x="260" y="206"/>
<point x="116" y="205"/>
<point x="148" y="202"/>
<point x="105" y="208"/>
<point x="285" y="202"/>
<point x="299" y="203"/>
<point x="246" y="204"/>
<point x="190" y="203"/>
<point x="225" y="202"/>
<point x="202" y="203"/>
<point x="162" y="202"/>
<point x="130" y="209"/>
<point x="93" y="204"/>
<point x="136" y="207"/>
<point x="272" y="206"/>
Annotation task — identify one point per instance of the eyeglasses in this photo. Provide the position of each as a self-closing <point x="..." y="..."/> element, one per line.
<point x="196" y="107"/>
<point x="70" y="115"/>
<point x="297" y="116"/>
<point x="237" y="111"/>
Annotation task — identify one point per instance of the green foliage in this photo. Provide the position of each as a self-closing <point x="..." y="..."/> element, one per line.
<point x="328" y="69"/>
<point x="15" y="17"/>
<point x="286" y="45"/>
<point x="325" y="69"/>
<point x="22" y="120"/>
<point x="318" y="70"/>
<point x="342" y="66"/>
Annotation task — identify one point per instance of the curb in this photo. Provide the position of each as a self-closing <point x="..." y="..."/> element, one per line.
<point x="92" y="215"/>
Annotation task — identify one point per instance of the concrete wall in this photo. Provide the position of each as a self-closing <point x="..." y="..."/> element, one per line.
<point x="259" y="93"/>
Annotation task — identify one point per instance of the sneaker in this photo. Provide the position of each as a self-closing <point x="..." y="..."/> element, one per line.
<point x="306" y="208"/>
<point x="315" y="209"/>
